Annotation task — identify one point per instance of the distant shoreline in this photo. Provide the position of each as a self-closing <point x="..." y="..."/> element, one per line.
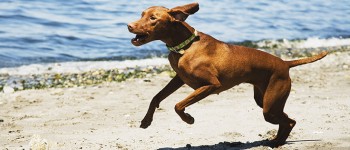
<point x="73" y="74"/>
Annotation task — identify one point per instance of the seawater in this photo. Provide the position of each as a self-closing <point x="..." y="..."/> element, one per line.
<point x="45" y="31"/>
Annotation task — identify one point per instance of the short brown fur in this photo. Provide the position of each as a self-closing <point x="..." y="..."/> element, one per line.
<point x="210" y="66"/>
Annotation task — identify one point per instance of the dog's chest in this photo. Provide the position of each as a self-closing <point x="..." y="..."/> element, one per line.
<point x="189" y="79"/>
<point x="185" y="70"/>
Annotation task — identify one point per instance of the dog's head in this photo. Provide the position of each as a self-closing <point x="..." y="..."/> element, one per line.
<point x="156" y="20"/>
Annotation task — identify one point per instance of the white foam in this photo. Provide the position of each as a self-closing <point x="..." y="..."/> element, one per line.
<point x="317" y="42"/>
<point x="77" y="67"/>
<point x="313" y="42"/>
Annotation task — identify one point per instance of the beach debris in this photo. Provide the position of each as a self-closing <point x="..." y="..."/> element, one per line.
<point x="38" y="143"/>
<point x="9" y="84"/>
<point x="269" y="134"/>
<point x="146" y="80"/>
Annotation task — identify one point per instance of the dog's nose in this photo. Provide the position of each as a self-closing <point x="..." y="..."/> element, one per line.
<point x="130" y="27"/>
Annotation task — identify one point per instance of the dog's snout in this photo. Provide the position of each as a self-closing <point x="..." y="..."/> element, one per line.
<point x="131" y="26"/>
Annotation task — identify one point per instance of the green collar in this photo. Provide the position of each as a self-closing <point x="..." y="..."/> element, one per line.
<point x="179" y="48"/>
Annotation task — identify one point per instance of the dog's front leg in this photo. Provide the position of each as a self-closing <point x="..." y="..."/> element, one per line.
<point x="171" y="87"/>
<point x="196" y="96"/>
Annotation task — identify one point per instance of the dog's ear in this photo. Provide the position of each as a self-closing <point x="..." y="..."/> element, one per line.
<point x="180" y="13"/>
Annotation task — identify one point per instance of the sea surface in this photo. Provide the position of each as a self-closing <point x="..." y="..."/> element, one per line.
<point x="49" y="31"/>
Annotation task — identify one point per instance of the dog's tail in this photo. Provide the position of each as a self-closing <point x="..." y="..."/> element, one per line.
<point x="298" y="62"/>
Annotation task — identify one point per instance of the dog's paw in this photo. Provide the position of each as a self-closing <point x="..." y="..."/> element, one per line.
<point x="145" y="123"/>
<point x="189" y="119"/>
<point x="274" y="143"/>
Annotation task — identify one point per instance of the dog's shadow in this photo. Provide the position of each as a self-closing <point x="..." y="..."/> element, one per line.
<point x="233" y="145"/>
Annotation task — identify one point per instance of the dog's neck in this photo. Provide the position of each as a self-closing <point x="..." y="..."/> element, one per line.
<point x="178" y="34"/>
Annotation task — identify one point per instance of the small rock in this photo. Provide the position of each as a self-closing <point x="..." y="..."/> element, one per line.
<point x="165" y="73"/>
<point x="127" y="116"/>
<point x="8" y="89"/>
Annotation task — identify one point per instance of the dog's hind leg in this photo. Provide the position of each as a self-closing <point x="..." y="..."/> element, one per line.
<point x="275" y="98"/>
<point x="259" y="95"/>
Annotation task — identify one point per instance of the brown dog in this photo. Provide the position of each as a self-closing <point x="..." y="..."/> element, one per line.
<point x="210" y="66"/>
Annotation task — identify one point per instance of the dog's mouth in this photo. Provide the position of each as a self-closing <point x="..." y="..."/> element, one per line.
<point x="139" y="39"/>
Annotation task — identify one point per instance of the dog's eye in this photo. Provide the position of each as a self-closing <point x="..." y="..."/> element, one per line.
<point x="152" y="18"/>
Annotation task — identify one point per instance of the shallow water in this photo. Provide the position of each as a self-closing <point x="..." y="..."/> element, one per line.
<point x="42" y="31"/>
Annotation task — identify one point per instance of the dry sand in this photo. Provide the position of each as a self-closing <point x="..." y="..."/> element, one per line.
<point x="107" y="116"/>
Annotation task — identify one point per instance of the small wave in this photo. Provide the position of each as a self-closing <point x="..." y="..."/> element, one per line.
<point x="9" y="61"/>
<point x="31" y="40"/>
<point x="18" y="17"/>
<point x="66" y="37"/>
<point x="312" y="42"/>
<point x="77" y="67"/>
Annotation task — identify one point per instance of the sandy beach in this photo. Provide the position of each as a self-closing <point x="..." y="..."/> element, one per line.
<point x="108" y="115"/>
